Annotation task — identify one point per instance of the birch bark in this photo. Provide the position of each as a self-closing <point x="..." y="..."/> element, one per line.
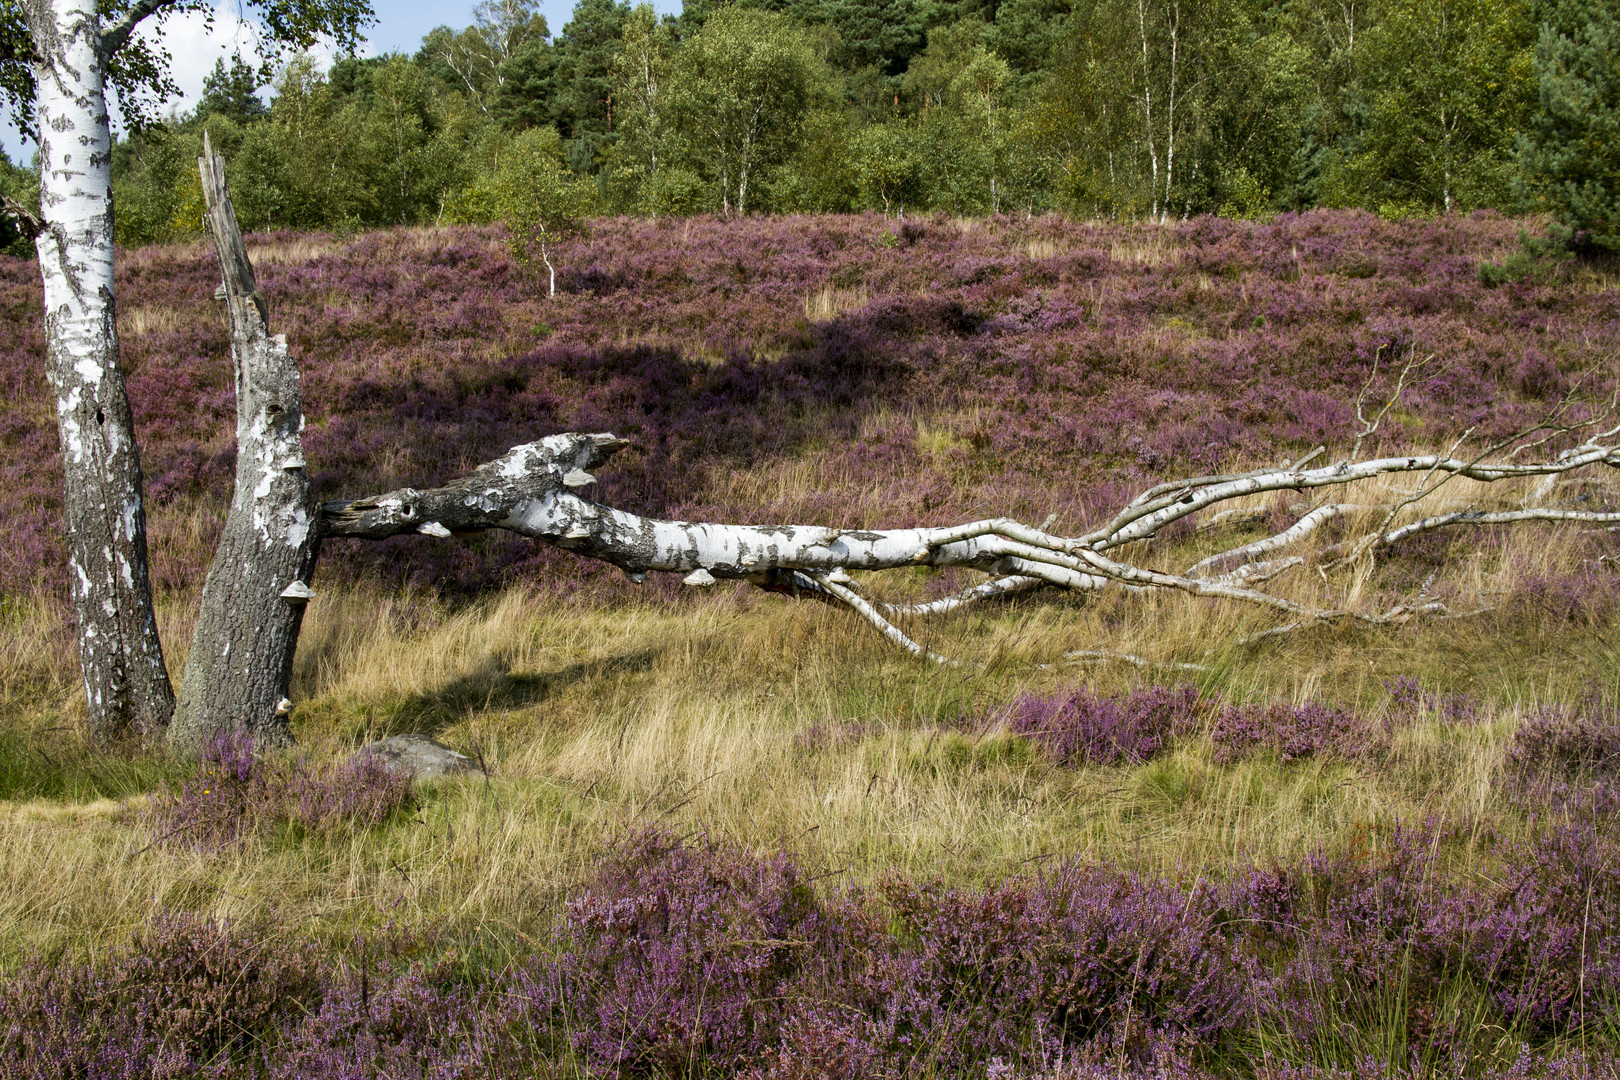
<point x="126" y="683"/>
<point x="241" y="657"/>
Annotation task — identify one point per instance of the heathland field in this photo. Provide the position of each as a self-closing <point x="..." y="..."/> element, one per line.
<point x="721" y="832"/>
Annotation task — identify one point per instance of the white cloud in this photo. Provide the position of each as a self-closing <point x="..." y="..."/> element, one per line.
<point x="194" y="42"/>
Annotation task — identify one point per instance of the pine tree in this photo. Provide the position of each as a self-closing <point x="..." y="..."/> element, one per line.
<point x="1569" y="155"/>
<point x="232" y="91"/>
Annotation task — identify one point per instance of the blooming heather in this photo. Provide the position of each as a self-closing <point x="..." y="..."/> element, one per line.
<point x="1078" y="727"/>
<point x="237" y="792"/>
<point x="1112" y="356"/>
<point x="696" y="958"/>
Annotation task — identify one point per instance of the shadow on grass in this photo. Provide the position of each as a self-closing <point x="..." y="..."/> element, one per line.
<point x="494" y="687"/>
<point x="57" y="763"/>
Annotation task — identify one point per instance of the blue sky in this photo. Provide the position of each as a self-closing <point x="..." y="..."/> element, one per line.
<point x="400" y="27"/>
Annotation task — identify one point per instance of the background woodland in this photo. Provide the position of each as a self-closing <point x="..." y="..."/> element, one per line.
<point x="1155" y="109"/>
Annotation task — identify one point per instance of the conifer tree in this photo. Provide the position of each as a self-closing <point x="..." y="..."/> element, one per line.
<point x="1569" y="153"/>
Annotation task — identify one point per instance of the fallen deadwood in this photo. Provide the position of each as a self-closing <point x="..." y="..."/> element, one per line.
<point x="259" y="583"/>
<point x="535" y="490"/>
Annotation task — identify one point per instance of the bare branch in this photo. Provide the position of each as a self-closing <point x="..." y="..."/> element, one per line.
<point x="27" y="222"/>
<point x="114" y="36"/>
<point x="1233" y="519"/>
<point x="1191" y="498"/>
<point x="985" y="590"/>
<point x="864" y="608"/>
<point x="535" y="490"/>
<point x="1098" y="656"/>
<point x="1506" y="517"/>
<point x="1291" y="535"/>
<point x="1369" y="427"/>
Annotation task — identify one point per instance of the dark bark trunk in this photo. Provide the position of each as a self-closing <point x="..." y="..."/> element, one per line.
<point x="241" y="657"/>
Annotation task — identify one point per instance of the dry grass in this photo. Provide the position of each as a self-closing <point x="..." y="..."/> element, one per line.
<point x="1153" y="248"/>
<point x="295" y="252"/>
<point x="780" y="723"/>
<point x="151" y="319"/>
<point x="1043" y="248"/>
<point x="831" y="302"/>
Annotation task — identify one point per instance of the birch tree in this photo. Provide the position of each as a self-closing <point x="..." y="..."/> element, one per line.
<point x="741" y="88"/>
<point x="539" y="490"/>
<point x="476" y="57"/>
<point x="238" y="670"/>
<point x="75" y="48"/>
<point x="1454" y="83"/>
<point x="642" y="77"/>
<point x="539" y="202"/>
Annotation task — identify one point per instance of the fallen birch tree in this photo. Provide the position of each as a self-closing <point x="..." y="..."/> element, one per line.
<point x="241" y="657"/>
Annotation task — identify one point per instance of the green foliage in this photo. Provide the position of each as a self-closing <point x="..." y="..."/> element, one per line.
<point x="1451" y="84"/>
<point x="232" y="92"/>
<point x="641" y="81"/>
<point x="479" y="60"/>
<point x="742" y="87"/>
<point x="139" y="71"/>
<point x="1537" y="261"/>
<point x="22" y="187"/>
<point x="537" y="199"/>
<point x="375" y="142"/>
<point x="1162" y="109"/>
<point x="585" y="54"/>
<point x="883" y="35"/>
<point x="1570" y="150"/>
<point x="821" y="177"/>
<point x="888" y="167"/>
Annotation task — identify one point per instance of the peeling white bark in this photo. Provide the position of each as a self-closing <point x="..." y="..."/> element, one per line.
<point x="126" y="684"/>
<point x="528" y="491"/>
<point x="258" y="587"/>
<point x="1296" y="532"/>
<point x="1506" y="517"/>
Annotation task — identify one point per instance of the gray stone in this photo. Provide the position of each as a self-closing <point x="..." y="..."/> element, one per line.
<point x="419" y="756"/>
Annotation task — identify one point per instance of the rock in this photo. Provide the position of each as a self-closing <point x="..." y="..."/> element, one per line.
<point x="419" y="756"/>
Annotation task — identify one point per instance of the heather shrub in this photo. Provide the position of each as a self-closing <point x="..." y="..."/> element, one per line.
<point x="233" y="793"/>
<point x="1377" y="954"/>
<point x="238" y="792"/>
<point x="420" y="357"/>
<point x="1382" y="949"/>
<point x="182" y="999"/>
<point x="676" y="954"/>
<point x="361" y="793"/>
<point x="1409" y="702"/>
<point x="393" y="1019"/>
<point x="1078" y="727"/>
<point x="1292" y="732"/>
<point x="1548" y="938"/>
<point x="943" y="982"/>
<point x="1569" y="741"/>
<point x="1589" y="596"/>
<point x="691" y="957"/>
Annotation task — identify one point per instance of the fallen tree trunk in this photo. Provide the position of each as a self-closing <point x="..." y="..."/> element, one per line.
<point x="242" y="653"/>
<point x="534" y="490"/>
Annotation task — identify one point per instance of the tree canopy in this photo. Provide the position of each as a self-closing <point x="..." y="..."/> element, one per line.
<point x="1119" y="108"/>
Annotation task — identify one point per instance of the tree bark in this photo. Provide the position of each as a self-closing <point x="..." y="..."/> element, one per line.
<point x="240" y="664"/>
<point x="126" y="683"/>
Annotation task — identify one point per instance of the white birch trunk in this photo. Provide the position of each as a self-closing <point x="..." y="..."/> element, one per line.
<point x="126" y="684"/>
<point x="1147" y="107"/>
